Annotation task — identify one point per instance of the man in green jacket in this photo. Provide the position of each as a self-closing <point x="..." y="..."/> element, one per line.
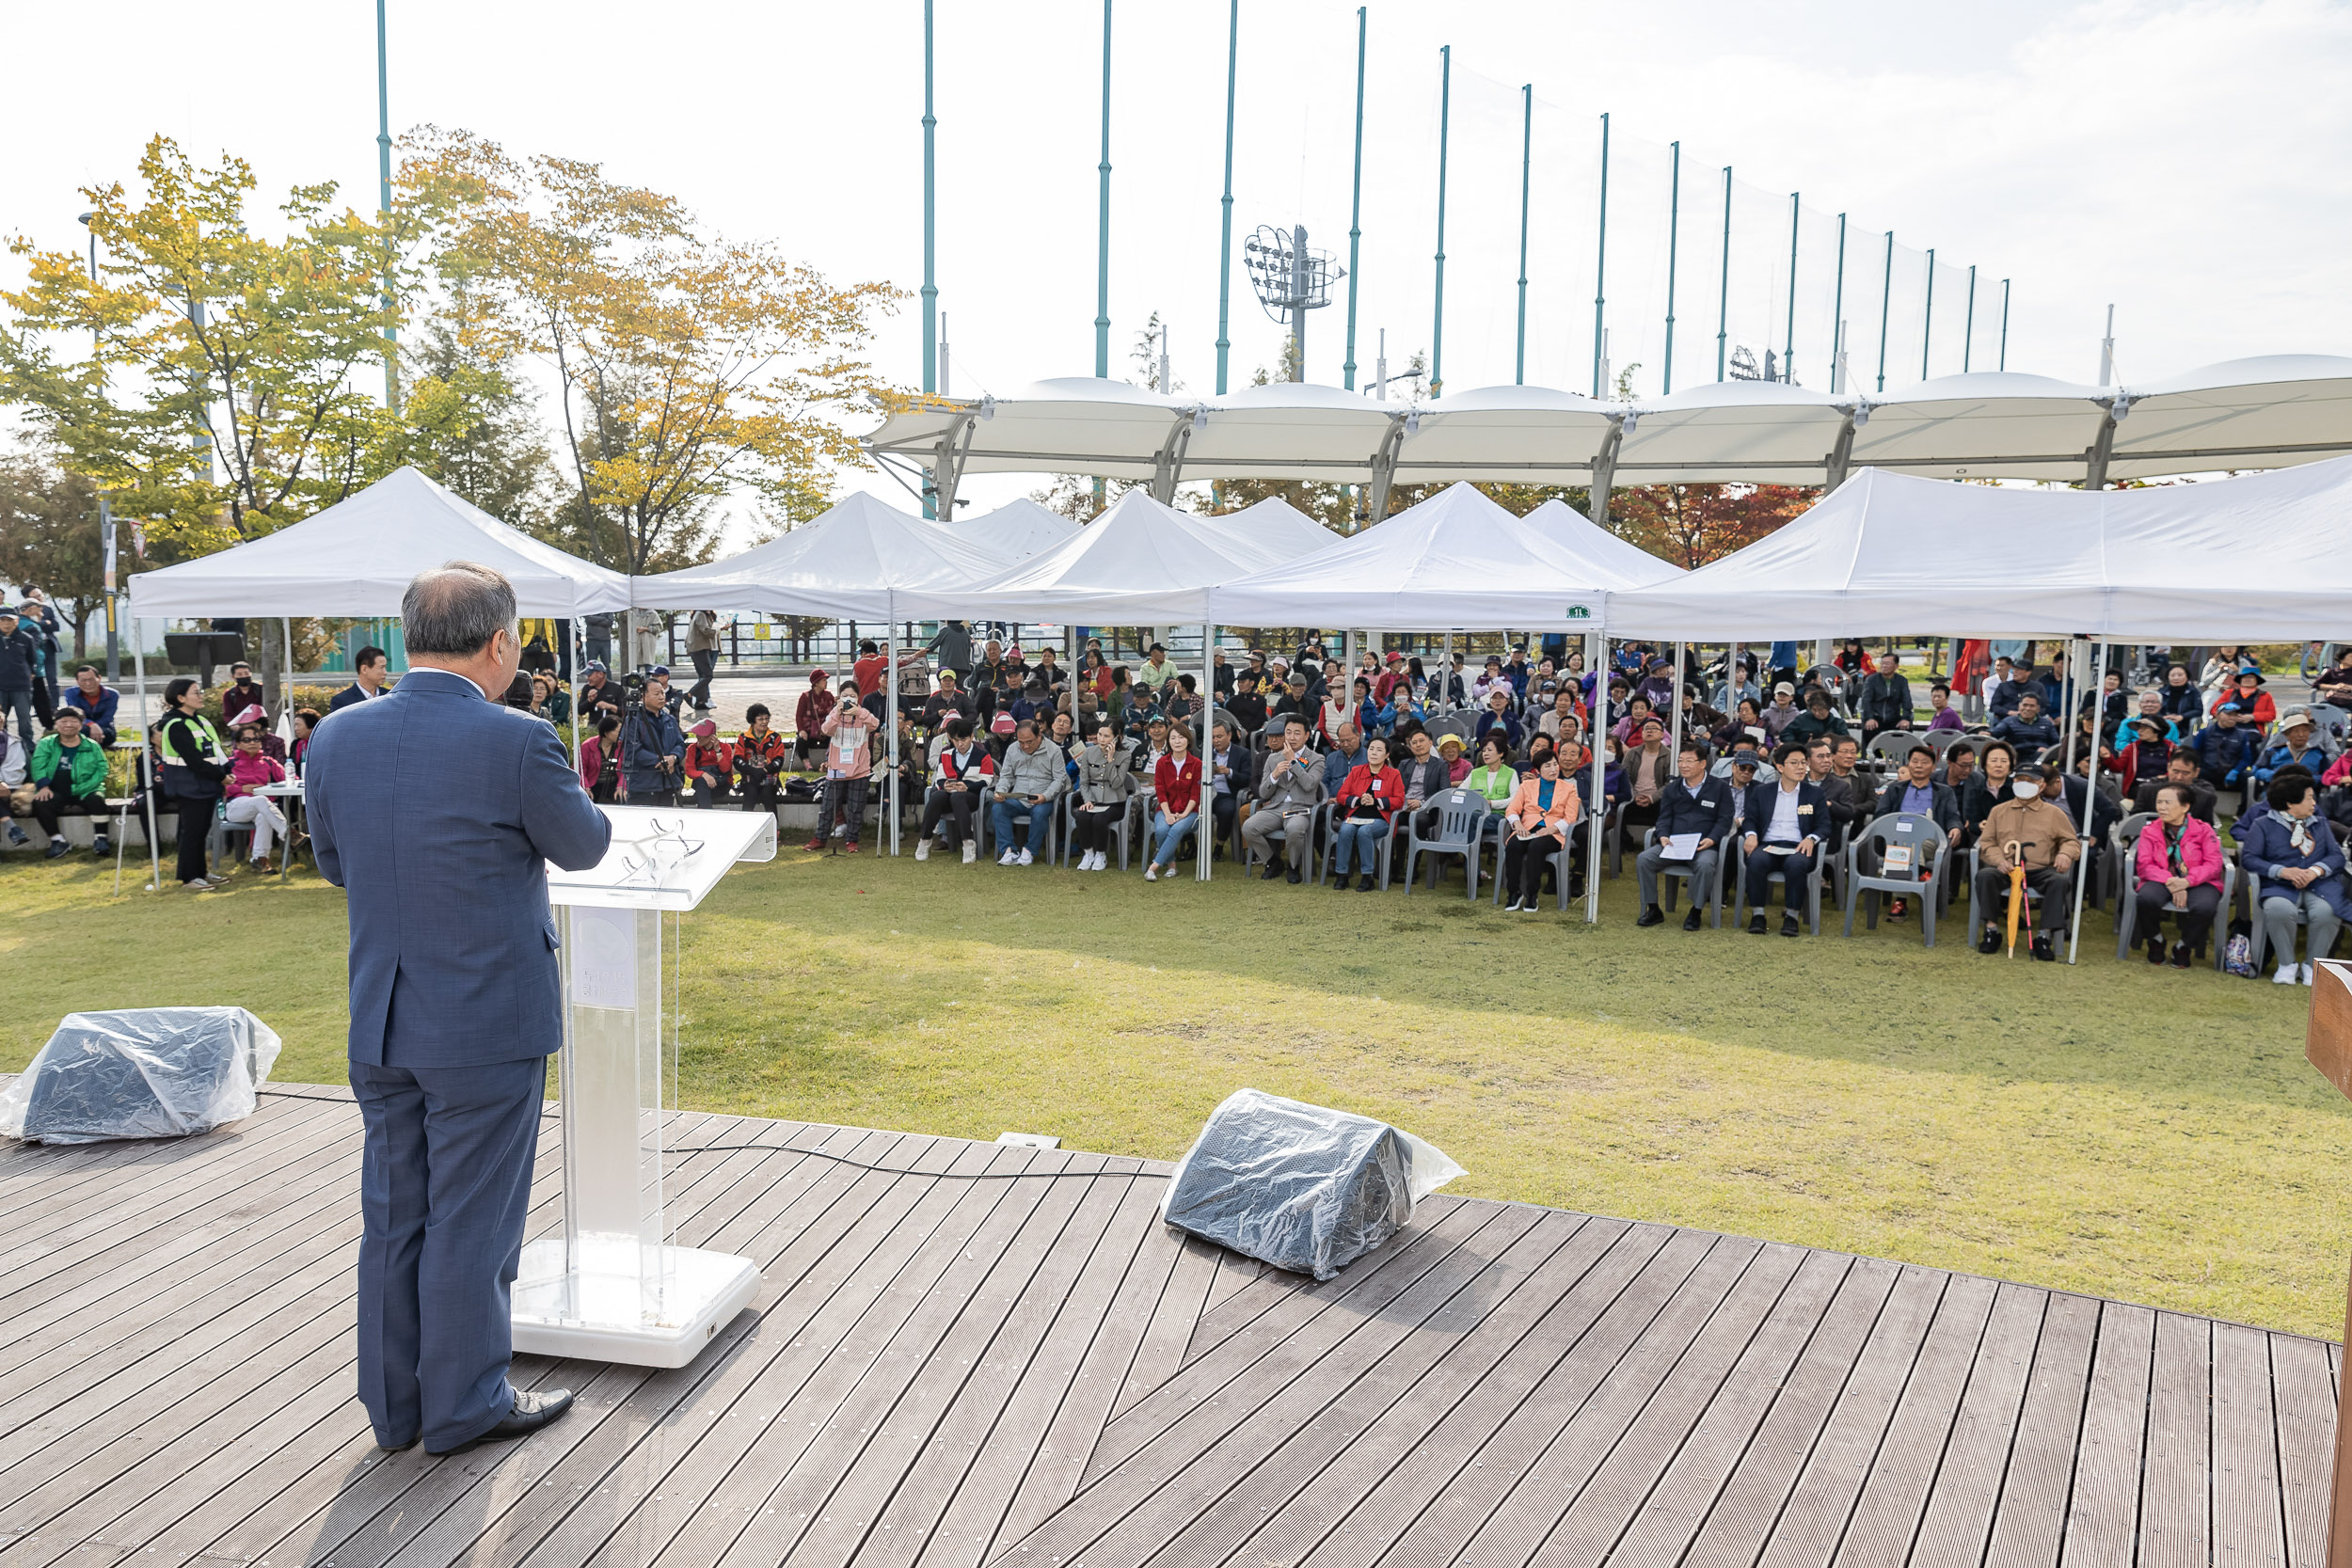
<point x="69" y="775"/>
<point x="1817" y="723"/>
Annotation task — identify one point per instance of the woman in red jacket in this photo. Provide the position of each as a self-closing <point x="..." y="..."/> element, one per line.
<point x="1176" y="785"/>
<point x="1365" y="805"/>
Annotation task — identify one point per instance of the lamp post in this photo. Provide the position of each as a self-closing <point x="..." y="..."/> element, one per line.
<point x="384" y="202"/>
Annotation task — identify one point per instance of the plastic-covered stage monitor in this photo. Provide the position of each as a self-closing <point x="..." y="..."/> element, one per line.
<point x="614" y="1288"/>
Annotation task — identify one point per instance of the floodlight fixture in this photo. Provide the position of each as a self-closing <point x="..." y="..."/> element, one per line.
<point x="1290" y="278"/>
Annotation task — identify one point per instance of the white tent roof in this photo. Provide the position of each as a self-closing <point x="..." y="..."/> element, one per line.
<point x="1017" y="529"/>
<point x="1454" y="561"/>
<point x="2247" y="413"/>
<point x="358" y="557"/>
<point x="2263" y="558"/>
<point x="1137" y="548"/>
<point x="844" y="563"/>
<point x="1274" y="526"/>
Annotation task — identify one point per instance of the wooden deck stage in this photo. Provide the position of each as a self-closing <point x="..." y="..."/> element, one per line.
<point x="1034" y="1371"/>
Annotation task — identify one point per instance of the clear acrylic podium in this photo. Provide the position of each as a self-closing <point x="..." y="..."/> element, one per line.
<point x="612" y="1287"/>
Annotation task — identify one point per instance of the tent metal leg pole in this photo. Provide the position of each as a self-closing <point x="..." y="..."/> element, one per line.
<point x="1595" y="655"/>
<point x="2091" y="810"/>
<point x="139" y="775"/>
<point x="890" y="711"/>
<point x="1207" y="829"/>
<point x="1674" y="762"/>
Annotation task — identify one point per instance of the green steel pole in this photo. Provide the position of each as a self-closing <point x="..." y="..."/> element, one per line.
<point x="930" y="226"/>
<point x="1788" y="342"/>
<point x="1837" y="310"/>
<point x="384" y="196"/>
<point x="1527" y="146"/>
<point x="2004" y="364"/>
<point x="1886" y="300"/>
<point x="1225" y="244"/>
<point x="1927" y="330"/>
<point x="1723" y="304"/>
<point x="1600" y="267"/>
<point x="1445" y="114"/>
<point x="1102" y="242"/>
<point x="1968" y="323"/>
<point x="1356" y="201"/>
<point x="1673" y="222"/>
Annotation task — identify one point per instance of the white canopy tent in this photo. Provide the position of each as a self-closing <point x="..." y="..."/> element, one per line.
<point x="1137" y="549"/>
<point x="854" y="561"/>
<point x="2259" y="558"/>
<point x="847" y="564"/>
<point x="358" y="557"/>
<point x="2264" y="558"/>
<point x="1017" y="529"/>
<point x="1455" y="560"/>
<point x="1274" y="526"/>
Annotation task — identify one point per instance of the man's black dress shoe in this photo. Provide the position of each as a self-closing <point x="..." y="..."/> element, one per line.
<point x="534" y="1409"/>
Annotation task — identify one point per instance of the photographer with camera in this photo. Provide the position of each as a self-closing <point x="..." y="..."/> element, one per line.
<point x="651" y="746"/>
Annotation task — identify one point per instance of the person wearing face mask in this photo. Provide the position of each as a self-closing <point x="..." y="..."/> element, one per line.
<point x="2294" y="852"/>
<point x="2179" y="861"/>
<point x="2032" y="830"/>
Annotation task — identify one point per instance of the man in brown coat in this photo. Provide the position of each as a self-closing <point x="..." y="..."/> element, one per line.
<point x="2032" y="830"/>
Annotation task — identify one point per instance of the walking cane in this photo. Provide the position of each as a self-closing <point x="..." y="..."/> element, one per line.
<point x="2015" y="852"/>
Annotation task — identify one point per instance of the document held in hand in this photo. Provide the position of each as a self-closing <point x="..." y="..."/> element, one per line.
<point x="1679" y="847"/>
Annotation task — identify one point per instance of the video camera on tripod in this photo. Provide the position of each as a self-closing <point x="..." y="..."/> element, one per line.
<point x="633" y="689"/>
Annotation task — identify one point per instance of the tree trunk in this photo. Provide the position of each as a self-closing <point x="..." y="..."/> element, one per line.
<point x="268" y="651"/>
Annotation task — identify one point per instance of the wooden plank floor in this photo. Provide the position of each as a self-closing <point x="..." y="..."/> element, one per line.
<point x="1028" y="1369"/>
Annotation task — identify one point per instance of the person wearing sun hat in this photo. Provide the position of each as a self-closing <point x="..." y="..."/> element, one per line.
<point x="709" y="762"/>
<point x="1457" y="757"/>
<point x="2296" y="743"/>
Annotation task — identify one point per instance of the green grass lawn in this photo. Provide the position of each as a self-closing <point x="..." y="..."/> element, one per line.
<point x="2146" y="1134"/>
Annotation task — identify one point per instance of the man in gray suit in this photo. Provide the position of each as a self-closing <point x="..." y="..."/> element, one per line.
<point x="436" y="809"/>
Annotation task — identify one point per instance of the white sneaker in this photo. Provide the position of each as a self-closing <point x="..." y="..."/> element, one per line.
<point x="1008" y="857"/>
<point x="2307" y="975"/>
<point x="971" y="852"/>
<point x="1090" y="860"/>
<point x="1152" y="872"/>
<point x="2287" y="976"/>
<point x="922" y="848"/>
<point x="1027" y="859"/>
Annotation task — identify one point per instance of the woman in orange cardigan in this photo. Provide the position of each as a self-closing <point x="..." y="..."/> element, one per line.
<point x="1542" y="813"/>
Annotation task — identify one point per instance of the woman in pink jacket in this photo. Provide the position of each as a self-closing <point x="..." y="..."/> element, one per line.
<point x="1536" y="827"/>
<point x="2179" y="864"/>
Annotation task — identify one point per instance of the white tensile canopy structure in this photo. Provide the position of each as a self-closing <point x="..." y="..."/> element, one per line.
<point x="2263" y="412"/>
<point x="850" y="563"/>
<point x="1016" y="530"/>
<point x="358" y="557"/>
<point x="2259" y="558"/>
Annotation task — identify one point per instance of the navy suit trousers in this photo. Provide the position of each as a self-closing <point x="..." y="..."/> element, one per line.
<point x="456" y="1143"/>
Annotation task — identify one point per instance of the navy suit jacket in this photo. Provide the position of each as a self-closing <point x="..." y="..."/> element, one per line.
<point x="436" y="810"/>
<point x="1812" y="812"/>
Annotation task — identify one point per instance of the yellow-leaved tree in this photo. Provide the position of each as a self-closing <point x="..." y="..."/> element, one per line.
<point x="687" y="367"/>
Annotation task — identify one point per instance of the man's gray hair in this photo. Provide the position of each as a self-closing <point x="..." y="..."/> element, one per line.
<point x="455" y="608"/>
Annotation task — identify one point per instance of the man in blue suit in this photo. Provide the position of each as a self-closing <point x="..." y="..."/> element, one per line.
<point x="436" y="809"/>
<point x="1786" y="818"/>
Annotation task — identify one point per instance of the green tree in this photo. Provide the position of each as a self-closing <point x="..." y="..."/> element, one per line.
<point x="687" y="367"/>
<point x="49" y="538"/>
<point x="207" y="378"/>
<point x="468" y="423"/>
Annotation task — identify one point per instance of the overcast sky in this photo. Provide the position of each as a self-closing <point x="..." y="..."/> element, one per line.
<point x="2185" y="161"/>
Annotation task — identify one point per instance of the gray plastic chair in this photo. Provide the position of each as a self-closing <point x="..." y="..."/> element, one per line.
<point x="1332" y="849"/>
<point x="1813" y="887"/>
<point x="1887" y="748"/>
<point x="1929" y="852"/>
<point x="1461" y="830"/>
<point x="1069" y="830"/>
<point x="1681" y="871"/>
<point x="1563" y="861"/>
<point x="1281" y="836"/>
<point x="2216" y="938"/>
